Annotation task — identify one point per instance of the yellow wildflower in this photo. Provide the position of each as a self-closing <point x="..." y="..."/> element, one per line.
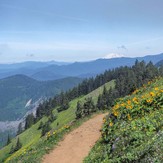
<point x="156" y="88"/>
<point x="152" y="94"/>
<point x="129" y="107"/>
<point x="111" y="124"/>
<point x="122" y="104"/>
<point x="129" y="102"/>
<point x="104" y="120"/>
<point x="149" y="100"/>
<point x="129" y="117"/>
<point x="134" y="127"/>
<point x="135" y="91"/>
<point x="135" y="100"/>
<point x="66" y="127"/>
<point x="115" y="113"/>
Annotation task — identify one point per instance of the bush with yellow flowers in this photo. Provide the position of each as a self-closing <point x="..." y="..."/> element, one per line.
<point x="133" y="129"/>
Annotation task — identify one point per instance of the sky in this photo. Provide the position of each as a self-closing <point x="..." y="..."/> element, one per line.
<point x="79" y="30"/>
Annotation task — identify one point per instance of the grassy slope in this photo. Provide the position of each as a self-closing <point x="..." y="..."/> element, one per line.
<point x="135" y="134"/>
<point x="31" y="137"/>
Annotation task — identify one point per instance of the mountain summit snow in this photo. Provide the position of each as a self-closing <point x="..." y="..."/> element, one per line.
<point x="113" y="55"/>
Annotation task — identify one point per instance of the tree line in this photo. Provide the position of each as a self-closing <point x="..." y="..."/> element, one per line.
<point x="127" y="79"/>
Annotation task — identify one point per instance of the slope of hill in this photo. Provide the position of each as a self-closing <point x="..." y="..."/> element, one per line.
<point x="16" y="91"/>
<point x="53" y="70"/>
<point x="32" y="143"/>
<point x="133" y="130"/>
<point x="160" y="63"/>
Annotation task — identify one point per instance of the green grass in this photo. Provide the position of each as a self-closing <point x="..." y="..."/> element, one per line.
<point x="31" y="137"/>
<point x="133" y="130"/>
<point x="94" y="94"/>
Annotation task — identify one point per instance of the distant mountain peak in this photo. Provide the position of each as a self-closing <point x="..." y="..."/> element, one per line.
<point x="113" y="55"/>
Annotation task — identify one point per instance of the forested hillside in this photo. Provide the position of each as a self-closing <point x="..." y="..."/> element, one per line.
<point x="160" y="63"/>
<point x="17" y="90"/>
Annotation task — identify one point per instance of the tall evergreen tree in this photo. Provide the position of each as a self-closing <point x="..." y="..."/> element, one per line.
<point x="18" y="145"/>
<point x="12" y="150"/>
<point x="100" y="102"/>
<point x="88" y="107"/>
<point x="104" y="98"/>
<point x="79" y="108"/>
<point x="41" y="125"/>
<point x="151" y="71"/>
<point x="46" y="128"/>
<point x="161" y="70"/>
<point x="30" y="119"/>
<point x="8" y="140"/>
<point x="111" y="97"/>
<point x="20" y="129"/>
<point x="52" y="117"/>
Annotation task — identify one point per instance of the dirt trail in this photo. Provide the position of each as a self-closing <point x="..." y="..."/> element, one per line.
<point x="77" y="144"/>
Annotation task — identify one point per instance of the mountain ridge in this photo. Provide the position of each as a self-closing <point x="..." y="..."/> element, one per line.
<point x="51" y="71"/>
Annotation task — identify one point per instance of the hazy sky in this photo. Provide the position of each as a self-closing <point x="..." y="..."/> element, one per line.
<point x="75" y="30"/>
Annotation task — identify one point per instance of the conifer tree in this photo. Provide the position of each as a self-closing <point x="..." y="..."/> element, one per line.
<point x="20" y="129"/>
<point x="30" y="119"/>
<point x="52" y="117"/>
<point x="111" y="97"/>
<point x="100" y="103"/>
<point x="41" y="125"/>
<point x="8" y="140"/>
<point x="79" y="110"/>
<point x="18" y="145"/>
<point x="12" y="150"/>
<point x="46" y="128"/>
<point x="104" y="98"/>
<point x="161" y="70"/>
<point x="88" y="107"/>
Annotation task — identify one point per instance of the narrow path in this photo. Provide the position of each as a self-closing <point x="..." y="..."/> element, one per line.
<point x="77" y="144"/>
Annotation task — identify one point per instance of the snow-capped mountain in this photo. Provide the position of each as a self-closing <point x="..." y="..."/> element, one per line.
<point x="113" y="55"/>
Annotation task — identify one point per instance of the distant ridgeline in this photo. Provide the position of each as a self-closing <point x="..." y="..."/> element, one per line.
<point x="160" y="63"/>
<point x="127" y="79"/>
